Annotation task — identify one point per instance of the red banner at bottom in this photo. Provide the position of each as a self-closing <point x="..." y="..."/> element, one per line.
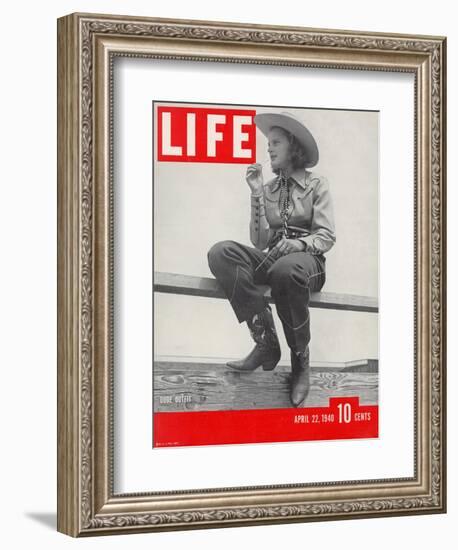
<point x="343" y="419"/>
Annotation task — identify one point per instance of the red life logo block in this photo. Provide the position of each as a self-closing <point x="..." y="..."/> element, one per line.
<point x="193" y="134"/>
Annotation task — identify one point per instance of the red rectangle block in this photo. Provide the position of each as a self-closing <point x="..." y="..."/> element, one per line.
<point x="192" y="134"/>
<point x="343" y="419"/>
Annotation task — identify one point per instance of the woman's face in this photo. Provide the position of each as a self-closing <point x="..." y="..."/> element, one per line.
<point x="279" y="149"/>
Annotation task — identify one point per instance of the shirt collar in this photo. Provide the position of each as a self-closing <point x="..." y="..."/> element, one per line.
<point x="300" y="177"/>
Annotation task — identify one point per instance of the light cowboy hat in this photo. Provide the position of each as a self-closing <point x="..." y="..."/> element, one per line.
<point x="265" y="121"/>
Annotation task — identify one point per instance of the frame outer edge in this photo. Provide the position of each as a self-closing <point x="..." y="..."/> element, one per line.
<point x="76" y="421"/>
<point x="68" y="278"/>
<point x="443" y="281"/>
<point x="444" y="274"/>
<point x="244" y="25"/>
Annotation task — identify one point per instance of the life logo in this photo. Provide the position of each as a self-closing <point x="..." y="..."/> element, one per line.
<point x="194" y="134"/>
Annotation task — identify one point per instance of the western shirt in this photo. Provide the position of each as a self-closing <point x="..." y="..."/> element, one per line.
<point x="310" y="211"/>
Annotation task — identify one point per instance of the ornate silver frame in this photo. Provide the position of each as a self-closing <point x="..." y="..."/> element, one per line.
<point x="87" y="44"/>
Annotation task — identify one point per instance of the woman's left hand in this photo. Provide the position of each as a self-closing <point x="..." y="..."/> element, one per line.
<point x="288" y="246"/>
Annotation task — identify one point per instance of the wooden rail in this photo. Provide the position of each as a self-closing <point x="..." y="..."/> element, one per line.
<point x="173" y="283"/>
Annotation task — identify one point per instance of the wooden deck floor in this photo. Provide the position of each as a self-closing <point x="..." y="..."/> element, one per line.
<point x="180" y="386"/>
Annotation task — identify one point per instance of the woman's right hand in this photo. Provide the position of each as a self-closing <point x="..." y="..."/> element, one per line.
<point x="254" y="178"/>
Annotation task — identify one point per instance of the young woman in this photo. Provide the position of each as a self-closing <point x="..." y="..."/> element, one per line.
<point x="291" y="228"/>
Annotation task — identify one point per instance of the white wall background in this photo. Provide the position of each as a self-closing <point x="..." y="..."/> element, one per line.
<point x="28" y="296"/>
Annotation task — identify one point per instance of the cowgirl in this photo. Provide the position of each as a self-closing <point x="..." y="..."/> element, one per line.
<point x="291" y="217"/>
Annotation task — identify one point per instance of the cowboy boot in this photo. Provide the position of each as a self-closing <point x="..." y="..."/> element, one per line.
<point x="300" y="377"/>
<point x="267" y="349"/>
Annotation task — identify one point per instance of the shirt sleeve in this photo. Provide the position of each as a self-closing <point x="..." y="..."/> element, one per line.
<point x="322" y="230"/>
<point x="260" y="231"/>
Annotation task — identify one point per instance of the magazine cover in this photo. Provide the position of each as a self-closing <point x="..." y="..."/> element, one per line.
<point x="265" y="274"/>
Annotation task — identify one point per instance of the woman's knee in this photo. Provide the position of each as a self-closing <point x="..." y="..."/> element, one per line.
<point x="218" y="252"/>
<point x="285" y="273"/>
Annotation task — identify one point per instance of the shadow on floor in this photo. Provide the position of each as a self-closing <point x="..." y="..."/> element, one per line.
<point x="47" y="519"/>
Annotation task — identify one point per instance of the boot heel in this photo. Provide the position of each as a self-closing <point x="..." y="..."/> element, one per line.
<point x="269" y="366"/>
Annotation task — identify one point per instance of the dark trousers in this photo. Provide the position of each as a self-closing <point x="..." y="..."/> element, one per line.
<point x="240" y="270"/>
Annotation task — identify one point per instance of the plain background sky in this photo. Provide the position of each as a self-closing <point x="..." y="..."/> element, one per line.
<point x="28" y="297"/>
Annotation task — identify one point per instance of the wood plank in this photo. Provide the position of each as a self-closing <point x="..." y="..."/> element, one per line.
<point x="216" y="387"/>
<point x="206" y="287"/>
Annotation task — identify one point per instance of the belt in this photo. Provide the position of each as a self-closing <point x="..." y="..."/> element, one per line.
<point x="291" y="233"/>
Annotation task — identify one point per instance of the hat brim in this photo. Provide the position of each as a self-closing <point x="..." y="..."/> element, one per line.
<point x="265" y="121"/>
